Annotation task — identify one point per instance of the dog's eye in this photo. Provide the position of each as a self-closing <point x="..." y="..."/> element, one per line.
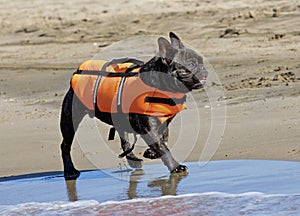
<point x="192" y="64"/>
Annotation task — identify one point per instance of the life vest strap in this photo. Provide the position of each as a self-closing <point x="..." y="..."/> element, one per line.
<point x="169" y="101"/>
<point x="105" y="73"/>
<point x="126" y="152"/>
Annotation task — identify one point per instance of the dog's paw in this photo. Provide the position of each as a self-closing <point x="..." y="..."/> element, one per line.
<point x="71" y="175"/>
<point x="180" y="169"/>
<point x="134" y="162"/>
<point x="150" y="154"/>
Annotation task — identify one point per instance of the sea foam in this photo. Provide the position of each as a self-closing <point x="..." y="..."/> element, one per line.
<point x="212" y="203"/>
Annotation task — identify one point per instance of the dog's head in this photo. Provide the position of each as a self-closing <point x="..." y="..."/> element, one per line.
<point x="183" y="63"/>
<point x="176" y="68"/>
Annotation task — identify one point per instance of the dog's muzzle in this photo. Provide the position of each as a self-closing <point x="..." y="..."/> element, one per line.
<point x="200" y="84"/>
<point x="203" y="81"/>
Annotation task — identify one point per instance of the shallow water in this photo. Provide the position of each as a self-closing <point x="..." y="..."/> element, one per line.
<point x="245" y="187"/>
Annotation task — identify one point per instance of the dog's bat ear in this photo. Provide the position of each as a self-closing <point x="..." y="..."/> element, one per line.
<point x="175" y="40"/>
<point x="166" y="50"/>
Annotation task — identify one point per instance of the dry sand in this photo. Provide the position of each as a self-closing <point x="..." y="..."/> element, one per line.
<point x="252" y="45"/>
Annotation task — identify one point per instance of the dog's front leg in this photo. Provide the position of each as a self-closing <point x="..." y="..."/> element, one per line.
<point x="151" y="154"/>
<point x="155" y="138"/>
<point x="132" y="159"/>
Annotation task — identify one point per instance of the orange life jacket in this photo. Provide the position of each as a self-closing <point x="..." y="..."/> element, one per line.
<point x="116" y="87"/>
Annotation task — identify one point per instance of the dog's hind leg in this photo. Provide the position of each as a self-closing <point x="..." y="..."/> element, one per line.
<point x="71" y="115"/>
<point x="132" y="159"/>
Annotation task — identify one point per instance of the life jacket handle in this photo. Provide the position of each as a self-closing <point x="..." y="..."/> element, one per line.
<point x="103" y="72"/>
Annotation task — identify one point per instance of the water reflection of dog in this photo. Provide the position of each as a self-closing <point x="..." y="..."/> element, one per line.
<point x="168" y="186"/>
<point x="71" y="190"/>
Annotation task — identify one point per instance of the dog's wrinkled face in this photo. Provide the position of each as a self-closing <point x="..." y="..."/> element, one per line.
<point x="184" y="63"/>
<point x="188" y="67"/>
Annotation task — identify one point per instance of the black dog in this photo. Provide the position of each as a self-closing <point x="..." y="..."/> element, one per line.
<point x="176" y="69"/>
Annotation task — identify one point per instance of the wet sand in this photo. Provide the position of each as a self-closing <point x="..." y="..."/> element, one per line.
<point x="253" y="47"/>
